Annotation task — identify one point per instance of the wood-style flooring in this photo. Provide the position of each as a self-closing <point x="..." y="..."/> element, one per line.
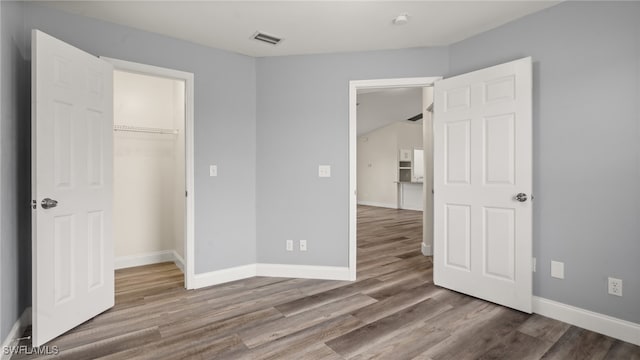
<point x="393" y="311"/>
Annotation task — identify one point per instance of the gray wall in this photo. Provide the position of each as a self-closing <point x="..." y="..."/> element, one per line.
<point x="15" y="182"/>
<point x="225" y="129"/>
<point x="586" y="145"/>
<point x="302" y="109"/>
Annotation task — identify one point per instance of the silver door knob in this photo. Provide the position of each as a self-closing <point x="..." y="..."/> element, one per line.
<point x="522" y="197"/>
<point x="48" y="203"/>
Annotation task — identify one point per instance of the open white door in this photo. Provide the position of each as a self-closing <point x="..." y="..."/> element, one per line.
<point x="72" y="140"/>
<point x="483" y="182"/>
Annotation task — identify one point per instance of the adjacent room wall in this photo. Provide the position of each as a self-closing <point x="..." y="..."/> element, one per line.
<point x="378" y="162"/>
<point x="410" y="136"/>
<point x="15" y="181"/>
<point x="225" y="128"/>
<point x="586" y="139"/>
<point x="377" y="153"/>
<point x="302" y="122"/>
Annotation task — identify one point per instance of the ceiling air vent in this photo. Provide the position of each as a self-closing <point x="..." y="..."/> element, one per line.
<point x="415" y="118"/>
<point x="269" y="39"/>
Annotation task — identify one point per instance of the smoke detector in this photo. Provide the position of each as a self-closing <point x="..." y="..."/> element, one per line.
<point x="401" y="19"/>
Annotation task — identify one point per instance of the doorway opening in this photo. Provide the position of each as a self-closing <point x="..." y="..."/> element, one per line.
<point x="408" y="186"/>
<point x="153" y="167"/>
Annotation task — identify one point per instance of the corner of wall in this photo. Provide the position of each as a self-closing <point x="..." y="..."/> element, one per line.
<point x="2" y="336"/>
<point x="15" y="228"/>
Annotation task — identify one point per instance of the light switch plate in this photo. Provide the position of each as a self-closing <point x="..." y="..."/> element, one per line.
<point x="213" y="170"/>
<point x="557" y="269"/>
<point x="324" y="171"/>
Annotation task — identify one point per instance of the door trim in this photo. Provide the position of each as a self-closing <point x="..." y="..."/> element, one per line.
<point x="189" y="248"/>
<point x="354" y="86"/>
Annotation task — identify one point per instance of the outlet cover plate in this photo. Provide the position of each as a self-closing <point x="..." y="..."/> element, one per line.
<point x="303" y="245"/>
<point x="557" y="269"/>
<point x="615" y="286"/>
<point x="324" y="171"/>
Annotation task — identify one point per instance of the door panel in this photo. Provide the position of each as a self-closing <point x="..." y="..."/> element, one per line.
<point x="482" y="159"/>
<point x="499" y="243"/>
<point x="457" y="152"/>
<point x="499" y="150"/>
<point x="457" y="237"/>
<point x="96" y="250"/>
<point x="63" y="258"/>
<point x="62" y="142"/>
<point x="72" y="105"/>
<point x="95" y="148"/>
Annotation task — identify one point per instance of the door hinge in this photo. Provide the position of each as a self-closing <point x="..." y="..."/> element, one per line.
<point x="186" y="194"/>
<point x="34" y="204"/>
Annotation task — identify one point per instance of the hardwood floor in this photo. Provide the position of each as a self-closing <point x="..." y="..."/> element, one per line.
<point x="393" y="311"/>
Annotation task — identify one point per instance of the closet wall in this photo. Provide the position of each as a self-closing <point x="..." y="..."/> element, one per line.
<point x="149" y="174"/>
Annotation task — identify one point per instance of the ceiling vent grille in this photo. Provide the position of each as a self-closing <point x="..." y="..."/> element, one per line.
<point x="415" y="118"/>
<point x="269" y="39"/>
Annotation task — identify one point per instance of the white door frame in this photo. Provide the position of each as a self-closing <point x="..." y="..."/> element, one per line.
<point x="354" y="86"/>
<point x="189" y="248"/>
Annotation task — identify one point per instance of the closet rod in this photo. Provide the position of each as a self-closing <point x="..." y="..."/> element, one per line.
<point x="144" y="129"/>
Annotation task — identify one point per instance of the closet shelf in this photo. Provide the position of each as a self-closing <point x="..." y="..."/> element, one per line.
<point x="144" y="129"/>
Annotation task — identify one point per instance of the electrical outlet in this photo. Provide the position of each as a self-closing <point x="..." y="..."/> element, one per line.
<point x="213" y="170"/>
<point x="324" y="171"/>
<point x="615" y="286"/>
<point x="303" y="245"/>
<point x="289" y="245"/>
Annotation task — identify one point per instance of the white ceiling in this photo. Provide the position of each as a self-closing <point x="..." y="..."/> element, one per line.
<point x="309" y="27"/>
<point x="384" y="107"/>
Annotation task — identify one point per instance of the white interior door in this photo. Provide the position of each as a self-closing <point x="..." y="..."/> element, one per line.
<point x="482" y="161"/>
<point x="72" y="140"/>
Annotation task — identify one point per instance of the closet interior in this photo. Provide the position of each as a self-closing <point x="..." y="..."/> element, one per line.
<point x="149" y="169"/>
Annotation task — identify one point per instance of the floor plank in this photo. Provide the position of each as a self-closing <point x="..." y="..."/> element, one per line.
<point x="393" y="311"/>
<point x="396" y="325"/>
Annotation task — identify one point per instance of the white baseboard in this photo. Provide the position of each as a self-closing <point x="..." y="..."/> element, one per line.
<point x="179" y="261"/>
<point x="156" y="257"/>
<point x="427" y="250"/>
<point x="377" y="204"/>
<point x="410" y="208"/>
<point x="603" y="324"/>
<point x="271" y="270"/>
<point x="15" y="333"/>
<point x="304" y="271"/>
<point x="223" y="276"/>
